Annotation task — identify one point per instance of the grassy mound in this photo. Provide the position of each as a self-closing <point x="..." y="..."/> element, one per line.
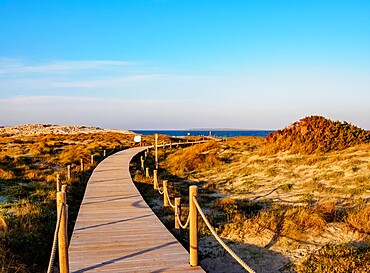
<point x="316" y="134"/>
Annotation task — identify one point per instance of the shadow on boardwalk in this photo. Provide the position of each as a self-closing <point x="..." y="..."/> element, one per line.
<point x="138" y="253"/>
<point x="116" y="231"/>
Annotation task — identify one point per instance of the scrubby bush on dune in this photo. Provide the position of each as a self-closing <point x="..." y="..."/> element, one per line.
<point x="280" y="221"/>
<point x="3" y="225"/>
<point x="245" y="143"/>
<point x="204" y="156"/>
<point x="72" y="154"/>
<point x="194" y="158"/>
<point x="39" y="149"/>
<point x="4" y="174"/>
<point x="359" y="218"/>
<point x="285" y="221"/>
<point x="163" y="138"/>
<point x="337" y="258"/>
<point x="316" y="134"/>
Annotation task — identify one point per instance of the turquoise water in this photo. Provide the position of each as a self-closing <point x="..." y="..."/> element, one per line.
<point x="216" y="133"/>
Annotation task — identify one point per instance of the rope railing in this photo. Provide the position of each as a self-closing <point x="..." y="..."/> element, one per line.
<point x="192" y="221"/>
<point x="222" y="243"/>
<point x="179" y="221"/>
<point x="55" y="240"/>
<point x="60" y="239"/>
<point x="168" y="197"/>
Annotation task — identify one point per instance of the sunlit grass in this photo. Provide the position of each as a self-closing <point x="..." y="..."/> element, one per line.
<point x="28" y="169"/>
<point x="296" y="200"/>
<point x="338" y="258"/>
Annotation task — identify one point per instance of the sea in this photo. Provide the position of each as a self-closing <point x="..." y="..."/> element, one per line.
<point x="215" y="133"/>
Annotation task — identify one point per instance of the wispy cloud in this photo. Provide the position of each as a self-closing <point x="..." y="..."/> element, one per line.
<point x="103" y="112"/>
<point x="125" y="92"/>
<point x="13" y="66"/>
<point x="77" y="78"/>
<point x="119" y="79"/>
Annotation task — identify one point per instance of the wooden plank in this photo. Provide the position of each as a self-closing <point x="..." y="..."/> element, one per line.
<point x="116" y="231"/>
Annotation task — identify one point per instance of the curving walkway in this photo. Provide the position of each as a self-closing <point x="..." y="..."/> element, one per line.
<point x="116" y="231"/>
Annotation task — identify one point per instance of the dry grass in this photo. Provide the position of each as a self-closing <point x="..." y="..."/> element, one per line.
<point x="315" y="134"/>
<point x="340" y="258"/>
<point x="295" y="223"/>
<point x="3" y="225"/>
<point x="9" y="263"/>
<point x="194" y="158"/>
<point x="6" y="175"/>
<point x="28" y="169"/>
<point x="359" y="218"/>
<point x="303" y="201"/>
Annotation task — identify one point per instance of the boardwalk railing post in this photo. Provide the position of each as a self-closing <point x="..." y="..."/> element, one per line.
<point x="92" y="159"/>
<point x="64" y="189"/>
<point x="58" y="182"/>
<point x="105" y="153"/>
<point x="155" y="179"/>
<point x="165" y="194"/>
<point x="142" y="163"/>
<point x="177" y="211"/>
<point x="62" y="234"/>
<point x="82" y="164"/>
<point x="193" y="228"/>
<point x="69" y="172"/>
<point x="147" y="173"/>
<point x="156" y="151"/>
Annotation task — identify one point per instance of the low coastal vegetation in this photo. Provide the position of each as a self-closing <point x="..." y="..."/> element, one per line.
<point x="316" y="134"/>
<point x="28" y="169"/>
<point x="297" y="201"/>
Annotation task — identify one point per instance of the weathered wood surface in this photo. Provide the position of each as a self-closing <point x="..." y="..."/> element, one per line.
<point x="116" y="231"/>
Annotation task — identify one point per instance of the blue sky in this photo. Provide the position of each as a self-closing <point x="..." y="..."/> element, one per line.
<point x="172" y="64"/>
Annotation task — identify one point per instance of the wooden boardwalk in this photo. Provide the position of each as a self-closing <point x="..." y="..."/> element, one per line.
<point x="116" y="231"/>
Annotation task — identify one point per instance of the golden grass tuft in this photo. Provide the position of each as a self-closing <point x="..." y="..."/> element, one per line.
<point x="6" y="175"/>
<point x="299" y="221"/>
<point x="337" y="258"/>
<point x="359" y="218"/>
<point x="292" y="222"/>
<point x="3" y="225"/>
